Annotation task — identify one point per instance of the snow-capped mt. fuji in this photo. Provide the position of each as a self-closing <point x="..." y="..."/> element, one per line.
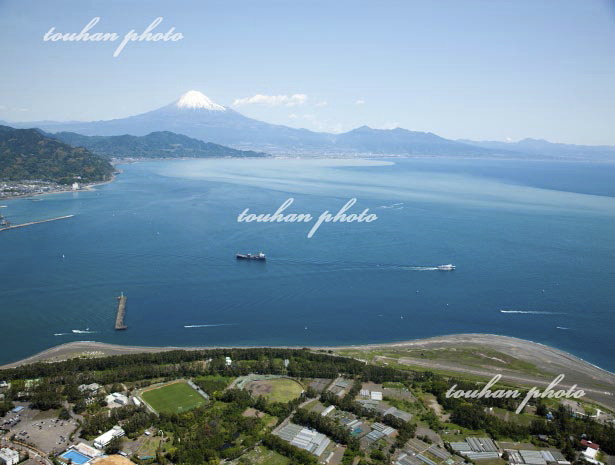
<point x="196" y="115"/>
<point x="195" y="100"/>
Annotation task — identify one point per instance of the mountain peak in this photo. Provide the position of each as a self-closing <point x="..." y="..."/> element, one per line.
<point x="195" y="100"/>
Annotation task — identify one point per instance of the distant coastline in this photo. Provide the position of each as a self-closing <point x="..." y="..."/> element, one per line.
<point x="504" y="343"/>
<point x="598" y="383"/>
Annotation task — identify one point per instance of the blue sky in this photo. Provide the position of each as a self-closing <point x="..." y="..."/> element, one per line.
<point x="462" y="69"/>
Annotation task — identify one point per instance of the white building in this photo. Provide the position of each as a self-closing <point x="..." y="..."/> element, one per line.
<point x="87" y="450"/>
<point x="116" y="399"/>
<point x="4" y="384"/>
<point x="228" y="361"/>
<point x="590" y="454"/>
<point x="375" y="395"/>
<point x="75" y="186"/>
<point x="328" y="410"/>
<point x="104" y="439"/>
<point x="9" y="456"/>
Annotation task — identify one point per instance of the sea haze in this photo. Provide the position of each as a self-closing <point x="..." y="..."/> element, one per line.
<point x="532" y="242"/>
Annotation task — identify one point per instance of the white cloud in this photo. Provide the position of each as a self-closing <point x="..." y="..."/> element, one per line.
<point x="293" y="116"/>
<point x="359" y="102"/>
<point x="272" y="100"/>
<point x="322" y="103"/>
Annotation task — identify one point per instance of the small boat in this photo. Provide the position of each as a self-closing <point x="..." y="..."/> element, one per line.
<point x="249" y="256"/>
<point x="449" y="267"/>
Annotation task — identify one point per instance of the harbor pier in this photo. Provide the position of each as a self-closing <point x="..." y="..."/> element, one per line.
<point x="121" y="311"/>
<point x="7" y="226"/>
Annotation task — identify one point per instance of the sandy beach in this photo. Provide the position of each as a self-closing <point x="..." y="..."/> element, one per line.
<point x="599" y="384"/>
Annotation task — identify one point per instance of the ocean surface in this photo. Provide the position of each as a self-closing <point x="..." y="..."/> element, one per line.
<point x="533" y="243"/>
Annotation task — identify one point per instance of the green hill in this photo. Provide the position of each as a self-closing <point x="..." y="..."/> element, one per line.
<point x="161" y="144"/>
<point x="26" y="154"/>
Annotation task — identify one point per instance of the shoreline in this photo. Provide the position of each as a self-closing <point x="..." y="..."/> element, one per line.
<point x="598" y="383"/>
<point x="84" y="188"/>
<point x="71" y="349"/>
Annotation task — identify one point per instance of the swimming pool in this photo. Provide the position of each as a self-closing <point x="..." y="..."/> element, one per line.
<point x="75" y="457"/>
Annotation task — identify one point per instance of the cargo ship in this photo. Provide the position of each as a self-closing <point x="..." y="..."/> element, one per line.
<point x="249" y="256"/>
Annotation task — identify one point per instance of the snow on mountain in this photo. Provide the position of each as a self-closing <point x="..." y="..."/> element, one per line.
<point x="196" y="115"/>
<point x="195" y="100"/>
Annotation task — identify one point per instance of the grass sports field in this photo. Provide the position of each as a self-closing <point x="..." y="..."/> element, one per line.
<point x="173" y="398"/>
<point x="275" y="390"/>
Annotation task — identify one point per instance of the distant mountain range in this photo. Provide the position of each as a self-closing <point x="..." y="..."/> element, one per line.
<point x="403" y="142"/>
<point x="26" y="154"/>
<point x="161" y="144"/>
<point x="197" y="116"/>
<point x="541" y="147"/>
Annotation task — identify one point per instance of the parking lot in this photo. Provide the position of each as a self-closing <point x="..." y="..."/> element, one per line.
<point x="41" y="428"/>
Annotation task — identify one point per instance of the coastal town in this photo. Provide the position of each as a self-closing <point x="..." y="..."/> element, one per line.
<point x="11" y="189"/>
<point x="245" y="411"/>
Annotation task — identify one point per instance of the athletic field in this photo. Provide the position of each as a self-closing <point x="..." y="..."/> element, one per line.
<point x="275" y="390"/>
<point x="173" y="398"/>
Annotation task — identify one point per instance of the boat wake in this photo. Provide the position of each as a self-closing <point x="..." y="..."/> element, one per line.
<point x="395" y="206"/>
<point x="83" y="331"/>
<point x="531" y="312"/>
<point x="207" y="326"/>
<point x="420" y="268"/>
<point x="61" y="334"/>
<point x="561" y="327"/>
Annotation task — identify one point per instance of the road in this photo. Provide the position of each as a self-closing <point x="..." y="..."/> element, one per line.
<point x="36" y="454"/>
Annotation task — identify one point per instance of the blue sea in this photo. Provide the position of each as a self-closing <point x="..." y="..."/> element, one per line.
<point x="533" y="243"/>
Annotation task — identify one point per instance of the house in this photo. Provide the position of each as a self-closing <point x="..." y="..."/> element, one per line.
<point x="590" y="455"/>
<point x="592" y="445"/>
<point x="103" y="440"/>
<point x="228" y="362"/>
<point x="75" y="186"/>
